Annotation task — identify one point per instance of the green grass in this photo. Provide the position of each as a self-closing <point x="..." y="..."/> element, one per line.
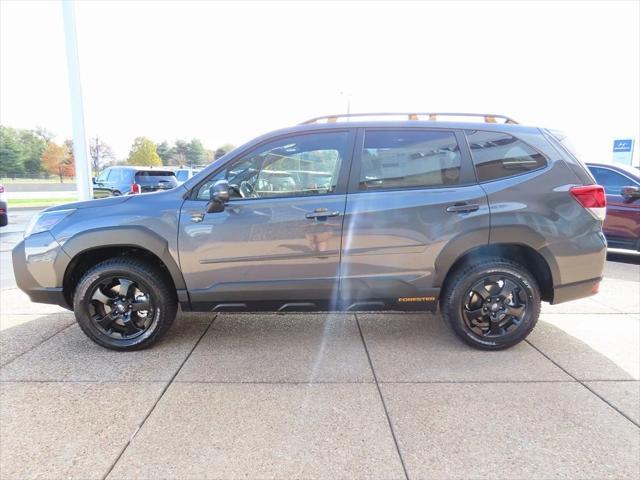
<point x="39" y="202"/>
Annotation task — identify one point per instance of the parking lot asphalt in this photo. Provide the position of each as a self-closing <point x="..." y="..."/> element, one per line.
<point x="383" y="395"/>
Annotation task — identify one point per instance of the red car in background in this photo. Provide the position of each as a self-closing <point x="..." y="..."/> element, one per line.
<point x="622" y="187"/>
<point x="4" y="208"/>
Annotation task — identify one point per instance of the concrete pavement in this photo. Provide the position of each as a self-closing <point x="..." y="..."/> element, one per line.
<point x="382" y="395"/>
<point x="323" y="396"/>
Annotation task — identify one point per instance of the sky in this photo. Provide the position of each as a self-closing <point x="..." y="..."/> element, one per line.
<point x="227" y="72"/>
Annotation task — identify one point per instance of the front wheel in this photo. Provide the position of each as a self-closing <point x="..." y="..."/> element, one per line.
<point x="492" y="305"/>
<point x="125" y="304"/>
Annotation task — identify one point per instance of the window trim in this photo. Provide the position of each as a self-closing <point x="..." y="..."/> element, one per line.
<point x="341" y="186"/>
<point x="467" y="175"/>
<point x="475" y="169"/>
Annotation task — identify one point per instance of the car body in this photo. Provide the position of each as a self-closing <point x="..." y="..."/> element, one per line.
<point x="4" y="208"/>
<point x="127" y="180"/>
<point x="484" y="220"/>
<point x="622" y="187"/>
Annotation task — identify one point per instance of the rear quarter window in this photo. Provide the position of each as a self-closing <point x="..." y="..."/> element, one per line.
<point x="499" y="155"/>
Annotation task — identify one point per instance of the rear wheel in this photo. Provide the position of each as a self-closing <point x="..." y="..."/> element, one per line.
<point x="491" y="305"/>
<point x="125" y="304"/>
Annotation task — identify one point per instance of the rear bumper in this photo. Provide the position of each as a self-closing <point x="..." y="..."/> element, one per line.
<point x="573" y="291"/>
<point x="37" y="263"/>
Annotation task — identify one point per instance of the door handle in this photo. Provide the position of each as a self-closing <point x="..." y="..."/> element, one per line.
<point x="321" y="213"/>
<point x="462" y="207"/>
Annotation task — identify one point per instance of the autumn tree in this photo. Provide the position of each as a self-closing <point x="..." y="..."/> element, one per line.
<point x="57" y="160"/>
<point x="143" y="153"/>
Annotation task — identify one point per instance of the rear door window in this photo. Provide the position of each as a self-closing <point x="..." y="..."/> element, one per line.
<point x="396" y="159"/>
<point x="499" y="155"/>
<point x="156" y="177"/>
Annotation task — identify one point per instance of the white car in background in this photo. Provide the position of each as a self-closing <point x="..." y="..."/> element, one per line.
<point x="184" y="173"/>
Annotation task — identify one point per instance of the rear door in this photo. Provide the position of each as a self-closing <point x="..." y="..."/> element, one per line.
<point x="277" y="243"/>
<point x="412" y="193"/>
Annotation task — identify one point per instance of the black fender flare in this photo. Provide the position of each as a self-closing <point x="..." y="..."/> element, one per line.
<point x="133" y="236"/>
<point x="517" y="236"/>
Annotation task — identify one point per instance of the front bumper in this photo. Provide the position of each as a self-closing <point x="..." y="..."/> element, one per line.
<point x="39" y="264"/>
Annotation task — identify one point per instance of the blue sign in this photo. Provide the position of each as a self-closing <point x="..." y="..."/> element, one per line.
<point x="623" y="150"/>
<point x="623" y="145"/>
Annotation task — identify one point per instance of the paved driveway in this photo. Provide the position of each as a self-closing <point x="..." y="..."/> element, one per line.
<point x="325" y="396"/>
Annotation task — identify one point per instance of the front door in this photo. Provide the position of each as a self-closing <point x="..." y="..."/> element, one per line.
<point x="277" y="243"/>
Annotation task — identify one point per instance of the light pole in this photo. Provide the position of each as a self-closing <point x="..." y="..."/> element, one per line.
<point x="83" y="176"/>
<point x="348" y="95"/>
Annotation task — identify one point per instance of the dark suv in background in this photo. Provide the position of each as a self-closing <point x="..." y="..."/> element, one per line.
<point x="485" y="219"/>
<point x="116" y="181"/>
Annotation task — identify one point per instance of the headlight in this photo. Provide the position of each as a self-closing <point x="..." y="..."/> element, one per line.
<point x="46" y="221"/>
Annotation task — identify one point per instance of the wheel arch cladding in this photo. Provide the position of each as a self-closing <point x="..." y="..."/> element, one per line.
<point x="91" y="247"/>
<point x="541" y="266"/>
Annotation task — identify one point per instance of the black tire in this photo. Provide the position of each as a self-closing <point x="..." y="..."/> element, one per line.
<point x="136" y="328"/>
<point x="466" y="310"/>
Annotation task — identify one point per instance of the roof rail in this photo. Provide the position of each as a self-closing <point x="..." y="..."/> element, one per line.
<point x="488" y="117"/>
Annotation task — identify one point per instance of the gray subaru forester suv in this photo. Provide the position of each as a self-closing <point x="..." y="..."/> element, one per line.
<point x="484" y="218"/>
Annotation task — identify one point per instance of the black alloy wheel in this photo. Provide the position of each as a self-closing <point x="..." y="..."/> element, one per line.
<point x="121" y="308"/>
<point x="125" y="303"/>
<point x="492" y="304"/>
<point x="495" y="306"/>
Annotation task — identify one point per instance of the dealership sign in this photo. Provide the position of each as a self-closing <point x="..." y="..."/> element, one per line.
<point x="623" y="150"/>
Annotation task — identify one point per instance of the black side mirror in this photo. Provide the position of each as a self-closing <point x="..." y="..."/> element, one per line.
<point x="93" y="180"/>
<point x="218" y="196"/>
<point x="630" y="192"/>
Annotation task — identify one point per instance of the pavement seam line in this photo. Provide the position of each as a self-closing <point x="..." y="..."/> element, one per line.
<point x="584" y="384"/>
<point x="38" y="344"/>
<point x="153" y="407"/>
<point x="384" y="405"/>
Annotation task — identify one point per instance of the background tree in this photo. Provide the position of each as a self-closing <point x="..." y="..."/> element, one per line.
<point x="99" y="152"/>
<point x="224" y="149"/>
<point x="143" y="152"/>
<point x="32" y="147"/>
<point x="196" y="154"/>
<point x="43" y="134"/>
<point x="20" y="152"/>
<point x="57" y="160"/>
<point x="10" y="162"/>
<point x="164" y="152"/>
<point x="70" y="165"/>
<point x="179" y="152"/>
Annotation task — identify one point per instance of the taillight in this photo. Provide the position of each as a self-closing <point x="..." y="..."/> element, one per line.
<point x="592" y="198"/>
<point x="135" y="188"/>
